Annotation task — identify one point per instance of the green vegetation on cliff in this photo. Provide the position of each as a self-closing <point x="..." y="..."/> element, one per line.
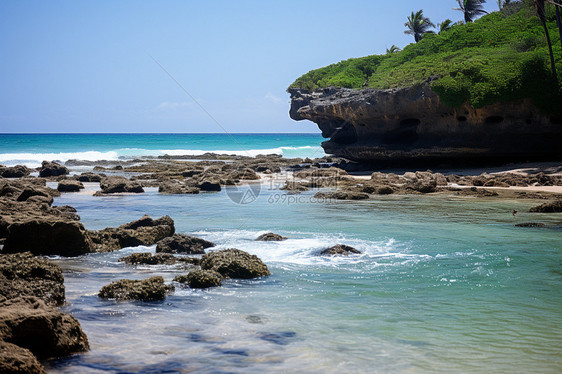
<point x="500" y="57"/>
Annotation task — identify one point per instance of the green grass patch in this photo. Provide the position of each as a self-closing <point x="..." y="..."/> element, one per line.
<point x="498" y="58"/>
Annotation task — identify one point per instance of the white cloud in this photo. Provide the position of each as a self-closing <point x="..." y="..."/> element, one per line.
<point x="274" y="99"/>
<point x="168" y="105"/>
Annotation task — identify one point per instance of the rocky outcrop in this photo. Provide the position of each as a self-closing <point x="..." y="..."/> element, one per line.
<point x="341" y="195"/>
<point x="548" y="207"/>
<point x="17" y="171"/>
<point x="118" y="184"/>
<point x="176" y="188"/>
<point x="234" y="263"/>
<point x="412" y="125"/>
<point x="185" y="244"/>
<point x="145" y="231"/>
<point x="22" y="274"/>
<point x="69" y="185"/>
<point x="339" y="250"/>
<point x="18" y="360"/>
<point x="48" y="236"/>
<point x="270" y="237"/>
<point x="150" y="289"/>
<point x="201" y="279"/>
<point x="146" y="258"/>
<point x="52" y="169"/>
<point x="44" y="330"/>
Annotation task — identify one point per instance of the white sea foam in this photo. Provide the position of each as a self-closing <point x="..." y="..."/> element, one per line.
<point x="35" y="159"/>
<point x="303" y="248"/>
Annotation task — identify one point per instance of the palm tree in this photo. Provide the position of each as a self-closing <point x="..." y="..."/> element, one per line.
<point x="502" y="3"/>
<point x="445" y="25"/>
<point x="392" y="49"/>
<point x="418" y="25"/>
<point x="471" y="9"/>
<point x="539" y="6"/>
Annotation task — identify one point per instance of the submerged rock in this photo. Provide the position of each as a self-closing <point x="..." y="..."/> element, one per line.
<point x="270" y="237"/>
<point x="145" y="231"/>
<point x="339" y="250"/>
<point x="341" y="195"/>
<point x="52" y="169"/>
<point x="179" y="243"/>
<point x="21" y="274"/>
<point x="201" y="279"/>
<point x="234" y="263"/>
<point x="47" y="332"/>
<point x="145" y="290"/>
<point x="548" y="207"/>
<point x="530" y="224"/>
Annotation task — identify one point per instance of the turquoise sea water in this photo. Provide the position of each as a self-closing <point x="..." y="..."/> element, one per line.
<point x="31" y="149"/>
<point x="443" y="285"/>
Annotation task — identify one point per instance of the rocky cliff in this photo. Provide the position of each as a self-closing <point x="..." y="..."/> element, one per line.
<point x="406" y="125"/>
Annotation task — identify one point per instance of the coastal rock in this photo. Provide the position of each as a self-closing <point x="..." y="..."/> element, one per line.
<point x="22" y="274"/>
<point x="530" y="224"/>
<point x="44" y="330"/>
<point x="48" y="236"/>
<point x="52" y="169"/>
<point x="176" y="188"/>
<point x="145" y="231"/>
<point x="244" y="174"/>
<point x="147" y="258"/>
<point x="411" y="125"/>
<point x="69" y="185"/>
<point x="18" y="360"/>
<point x="32" y="191"/>
<point x="90" y="177"/>
<point x="150" y="289"/>
<point x="548" y="207"/>
<point x="210" y="186"/>
<point x="341" y="195"/>
<point x="234" y="263"/>
<point x="179" y="243"/>
<point x="294" y="187"/>
<point x="17" y="171"/>
<point x="270" y="237"/>
<point x="339" y="250"/>
<point x="118" y="184"/>
<point x="201" y="279"/>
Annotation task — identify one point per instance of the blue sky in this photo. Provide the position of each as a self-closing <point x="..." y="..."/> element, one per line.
<point x="76" y="66"/>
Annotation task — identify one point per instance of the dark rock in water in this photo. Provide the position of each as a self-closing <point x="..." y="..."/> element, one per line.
<point x="145" y="231"/>
<point x="147" y="258"/>
<point x="47" y="332"/>
<point x="69" y="185"/>
<point x="48" y="236"/>
<point x="18" y="360"/>
<point x="294" y="187"/>
<point x="548" y="207"/>
<point x="17" y="171"/>
<point x="35" y="191"/>
<point x="341" y="195"/>
<point x="411" y="125"/>
<point x="52" y="169"/>
<point x="530" y="224"/>
<point x="270" y="237"/>
<point x="146" y="290"/>
<point x="118" y="184"/>
<point x="91" y="177"/>
<point x="176" y="188"/>
<point x="210" y="186"/>
<point x="179" y="243"/>
<point x="385" y="190"/>
<point x="201" y="279"/>
<point x="244" y="174"/>
<point x="22" y="274"/>
<point x="339" y="250"/>
<point x="234" y="263"/>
